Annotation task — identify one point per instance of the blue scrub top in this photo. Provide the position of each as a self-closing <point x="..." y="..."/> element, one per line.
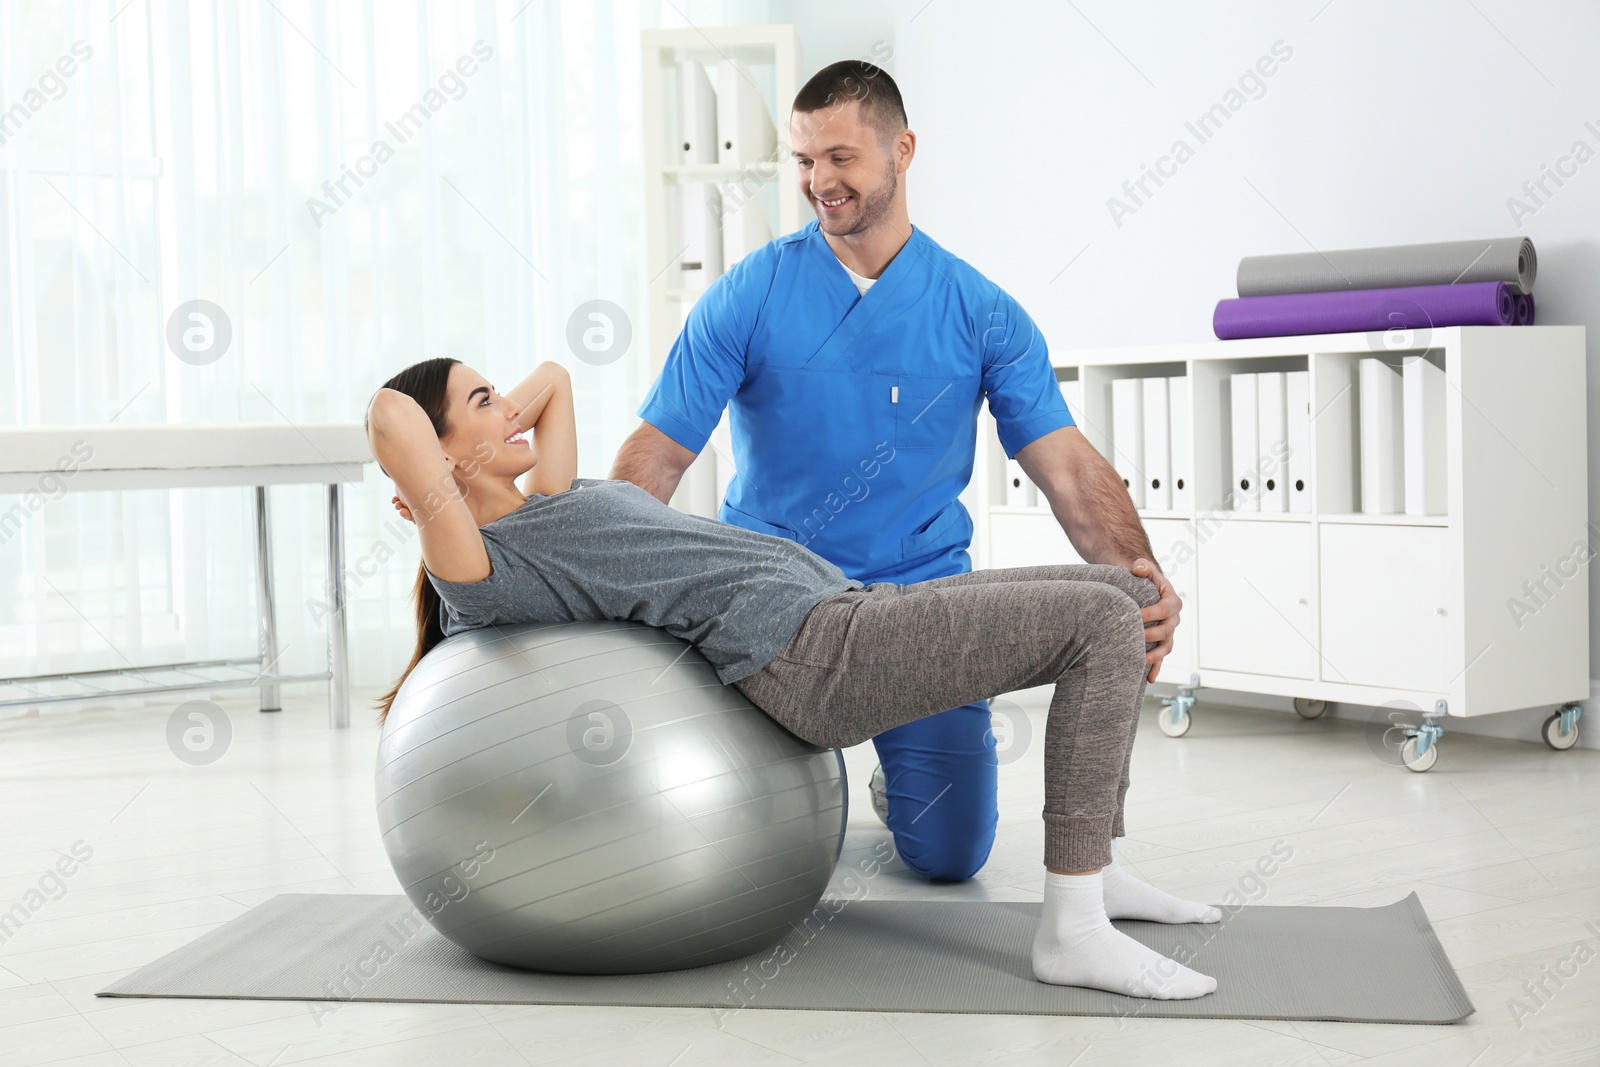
<point x="854" y="417"/>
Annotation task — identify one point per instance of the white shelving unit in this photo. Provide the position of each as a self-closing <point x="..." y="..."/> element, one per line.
<point x="772" y="52"/>
<point x="1409" y="611"/>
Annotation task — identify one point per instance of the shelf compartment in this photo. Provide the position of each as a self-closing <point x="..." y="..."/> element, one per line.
<point x="1212" y="399"/>
<point x="1336" y="428"/>
<point x="1257" y="581"/>
<point x="1384" y="608"/>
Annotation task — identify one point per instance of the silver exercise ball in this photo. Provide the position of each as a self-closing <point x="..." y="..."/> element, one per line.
<point x="588" y="798"/>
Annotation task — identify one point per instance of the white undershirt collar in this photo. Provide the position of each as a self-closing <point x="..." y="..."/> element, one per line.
<point x="861" y="283"/>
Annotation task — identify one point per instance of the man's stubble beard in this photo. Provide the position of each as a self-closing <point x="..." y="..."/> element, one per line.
<point x="873" y="208"/>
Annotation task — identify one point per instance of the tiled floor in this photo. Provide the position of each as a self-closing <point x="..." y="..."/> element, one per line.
<point x="1498" y="840"/>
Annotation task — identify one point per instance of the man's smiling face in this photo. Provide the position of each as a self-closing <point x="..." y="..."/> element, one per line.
<point x="846" y="173"/>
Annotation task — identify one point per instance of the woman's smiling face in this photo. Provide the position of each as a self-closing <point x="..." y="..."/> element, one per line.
<point x="483" y="433"/>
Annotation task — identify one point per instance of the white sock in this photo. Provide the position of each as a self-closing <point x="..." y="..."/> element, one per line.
<point x="1077" y="945"/>
<point x="1129" y="898"/>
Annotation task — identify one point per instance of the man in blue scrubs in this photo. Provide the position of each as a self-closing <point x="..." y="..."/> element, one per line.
<point x="854" y="354"/>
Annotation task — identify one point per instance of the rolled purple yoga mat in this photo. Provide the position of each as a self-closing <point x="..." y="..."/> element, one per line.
<point x="1525" y="310"/>
<point x="1353" y="310"/>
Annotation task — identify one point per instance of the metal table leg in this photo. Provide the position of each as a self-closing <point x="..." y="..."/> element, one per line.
<point x="338" y="634"/>
<point x="267" y="615"/>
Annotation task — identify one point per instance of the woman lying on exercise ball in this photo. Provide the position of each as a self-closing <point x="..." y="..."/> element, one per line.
<point x="833" y="661"/>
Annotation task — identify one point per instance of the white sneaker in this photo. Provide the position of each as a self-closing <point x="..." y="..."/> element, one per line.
<point x="880" y="794"/>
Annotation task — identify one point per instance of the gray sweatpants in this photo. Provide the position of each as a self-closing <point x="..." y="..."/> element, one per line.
<point x="871" y="659"/>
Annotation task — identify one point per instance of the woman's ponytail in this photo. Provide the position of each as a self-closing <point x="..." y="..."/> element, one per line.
<point x="429" y="633"/>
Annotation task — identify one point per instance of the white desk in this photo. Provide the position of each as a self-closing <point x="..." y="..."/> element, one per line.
<point x="35" y="462"/>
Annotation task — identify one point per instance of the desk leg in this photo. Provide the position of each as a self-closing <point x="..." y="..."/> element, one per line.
<point x="266" y="608"/>
<point x="338" y="634"/>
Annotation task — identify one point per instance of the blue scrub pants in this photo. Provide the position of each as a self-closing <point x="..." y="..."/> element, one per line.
<point x="941" y="777"/>
<point x="942" y="781"/>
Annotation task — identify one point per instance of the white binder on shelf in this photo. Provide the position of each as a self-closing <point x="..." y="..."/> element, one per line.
<point x="745" y="131"/>
<point x="1072" y="393"/>
<point x="1127" y="435"/>
<point x="699" y="235"/>
<point x="1245" y="487"/>
<point x="1382" y="438"/>
<point x="1020" y="492"/>
<point x="1297" y="418"/>
<point x="1157" y="449"/>
<point x="1423" y="420"/>
<point x="1271" y="440"/>
<point x="744" y="224"/>
<point x="1180" y="420"/>
<point x="697" y="114"/>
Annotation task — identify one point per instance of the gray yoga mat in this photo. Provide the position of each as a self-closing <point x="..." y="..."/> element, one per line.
<point x="1501" y="259"/>
<point x="1344" y="964"/>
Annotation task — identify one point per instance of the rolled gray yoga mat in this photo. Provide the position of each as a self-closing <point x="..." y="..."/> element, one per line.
<point x="1501" y="259"/>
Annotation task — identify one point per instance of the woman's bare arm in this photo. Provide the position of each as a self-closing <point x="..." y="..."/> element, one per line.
<point x="406" y="447"/>
<point x="545" y="400"/>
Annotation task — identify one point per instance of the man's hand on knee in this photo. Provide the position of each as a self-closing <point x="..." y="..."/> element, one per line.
<point x="1159" y="606"/>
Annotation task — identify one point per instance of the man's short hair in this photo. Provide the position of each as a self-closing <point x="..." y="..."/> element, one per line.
<point x="837" y="84"/>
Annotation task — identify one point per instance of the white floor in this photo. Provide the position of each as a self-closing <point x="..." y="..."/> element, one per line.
<point x="1498" y="840"/>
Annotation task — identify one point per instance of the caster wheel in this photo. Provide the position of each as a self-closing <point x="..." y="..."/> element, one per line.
<point x="1555" y="738"/>
<point x="1310" y="709"/>
<point x="1408" y="754"/>
<point x="1174" y="727"/>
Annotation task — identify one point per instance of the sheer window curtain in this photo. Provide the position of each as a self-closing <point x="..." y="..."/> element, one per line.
<point x="357" y="186"/>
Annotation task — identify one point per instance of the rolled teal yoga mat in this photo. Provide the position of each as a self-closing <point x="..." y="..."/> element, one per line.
<point x="1496" y="259"/>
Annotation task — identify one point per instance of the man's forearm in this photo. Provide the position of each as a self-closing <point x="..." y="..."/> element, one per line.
<point x="639" y="463"/>
<point x="1097" y="513"/>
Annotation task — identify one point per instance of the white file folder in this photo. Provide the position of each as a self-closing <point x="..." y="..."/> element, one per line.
<point x="1020" y="492"/>
<point x="1072" y="393"/>
<point x="1245" y="487"/>
<point x="1297" y="417"/>
<point x="1382" y="438"/>
<point x="1271" y="440"/>
<point x="1127" y="435"/>
<point x="744" y="129"/>
<point x="699" y="235"/>
<point x="1423" y="388"/>
<point x="744" y="224"/>
<point x="1157" y="449"/>
<point x="697" y="114"/>
<point x="1181" y="422"/>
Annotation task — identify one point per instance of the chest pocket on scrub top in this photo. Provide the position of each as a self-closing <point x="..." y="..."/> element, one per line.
<point x="928" y="411"/>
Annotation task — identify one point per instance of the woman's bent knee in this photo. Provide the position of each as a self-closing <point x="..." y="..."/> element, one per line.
<point x="1142" y="590"/>
<point x="1120" y="623"/>
<point x="1113" y="600"/>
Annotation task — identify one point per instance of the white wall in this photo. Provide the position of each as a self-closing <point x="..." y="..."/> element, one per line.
<point x="1387" y="124"/>
<point x="1390" y="123"/>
